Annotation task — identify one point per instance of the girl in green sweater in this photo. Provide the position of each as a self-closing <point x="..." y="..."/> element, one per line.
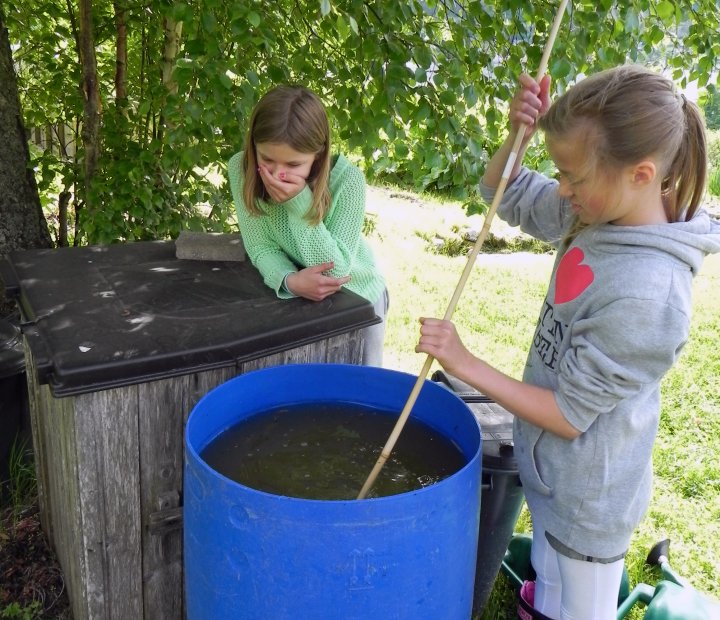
<point x="301" y="210"/>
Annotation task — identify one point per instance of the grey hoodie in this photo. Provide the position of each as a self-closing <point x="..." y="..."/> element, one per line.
<point x="616" y="315"/>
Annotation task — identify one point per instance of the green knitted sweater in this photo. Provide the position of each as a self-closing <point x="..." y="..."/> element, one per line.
<point x="281" y="241"/>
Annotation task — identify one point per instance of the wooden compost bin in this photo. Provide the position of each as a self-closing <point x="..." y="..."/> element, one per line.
<point x="121" y="342"/>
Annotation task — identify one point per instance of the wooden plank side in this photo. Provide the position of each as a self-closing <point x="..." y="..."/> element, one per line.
<point x="276" y="359"/>
<point x="52" y="421"/>
<point x="161" y="415"/>
<point x="108" y="465"/>
<point x="307" y="354"/>
<point x="66" y="497"/>
<point x="163" y="411"/>
<point x="39" y="438"/>
<point x="313" y="352"/>
<point x="346" y="348"/>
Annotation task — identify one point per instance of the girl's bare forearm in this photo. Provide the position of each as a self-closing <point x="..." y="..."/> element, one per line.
<point x="533" y="404"/>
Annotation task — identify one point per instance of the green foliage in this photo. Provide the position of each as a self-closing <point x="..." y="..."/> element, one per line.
<point x="460" y="240"/>
<point x="15" y="611"/>
<point x="448" y="245"/>
<point x="713" y="151"/>
<point x="416" y="90"/>
<point x="369" y="224"/>
<point x="710" y="104"/>
<point x="713" y="148"/>
<point x="714" y="182"/>
<point x="22" y="484"/>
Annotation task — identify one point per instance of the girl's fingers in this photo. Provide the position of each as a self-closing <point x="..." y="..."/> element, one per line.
<point x="434" y="332"/>
<point x="529" y="83"/>
<point x="526" y="109"/>
<point x="334" y="283"/>
<point x="321" y="267"/>
<point x="535" y="94"/>
<point x="544" y="93"/>
<point x="435" y="323"/>
<point x="283" y="179"/>
<point x="283" y="187"/>
<point x="291" y="178"/>
<point x="526" y="118"/>
<point x="269" y="179"/>
<point x="529" y="102"/>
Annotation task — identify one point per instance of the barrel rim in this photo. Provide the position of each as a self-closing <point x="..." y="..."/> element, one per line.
<point x="474" y="461"/>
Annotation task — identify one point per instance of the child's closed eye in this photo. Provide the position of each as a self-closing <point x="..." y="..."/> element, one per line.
<point x="571" y="180"/>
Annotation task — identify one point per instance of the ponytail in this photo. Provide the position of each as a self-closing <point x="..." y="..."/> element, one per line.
<point x="684" y="185"/>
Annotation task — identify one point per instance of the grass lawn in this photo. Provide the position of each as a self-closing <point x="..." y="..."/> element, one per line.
<point x="496" y="317"/>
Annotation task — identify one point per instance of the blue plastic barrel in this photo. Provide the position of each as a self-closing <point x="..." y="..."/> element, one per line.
<point x="258" y="556"/>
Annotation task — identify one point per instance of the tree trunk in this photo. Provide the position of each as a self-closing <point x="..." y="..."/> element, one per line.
<point x="22" y="223"/>
<point x="121" y="56"/>
<point x="91" y="95"/>
<point x="65" y="194"/>
<point x="173" y="32"/>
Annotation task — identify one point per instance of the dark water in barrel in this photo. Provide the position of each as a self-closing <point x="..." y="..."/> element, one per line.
<point x="327" y="451"/>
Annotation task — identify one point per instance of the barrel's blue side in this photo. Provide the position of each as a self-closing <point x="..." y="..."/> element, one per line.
<point x="253" y="555"/>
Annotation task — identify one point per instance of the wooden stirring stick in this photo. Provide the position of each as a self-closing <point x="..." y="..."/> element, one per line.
<point x="390" y="444"/>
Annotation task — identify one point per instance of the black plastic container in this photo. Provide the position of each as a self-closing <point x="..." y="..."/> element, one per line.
<point x="14" y="414"/>
<point x="502" y="495"/>
<point x="99" y="317"/>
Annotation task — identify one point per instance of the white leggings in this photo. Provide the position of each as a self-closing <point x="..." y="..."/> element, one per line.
<point x="374" y="336"/>
<point x="568" y="589"/>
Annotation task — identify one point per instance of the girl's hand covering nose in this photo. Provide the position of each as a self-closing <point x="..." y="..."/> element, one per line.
<point x="283" y="187"/>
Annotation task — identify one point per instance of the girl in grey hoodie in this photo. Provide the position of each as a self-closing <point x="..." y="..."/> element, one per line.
<point x="624" y="214"/>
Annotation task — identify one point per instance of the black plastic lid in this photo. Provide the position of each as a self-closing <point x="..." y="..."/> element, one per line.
<point x="496" y="423"/>
<point x="105" y="316"/>
<point x="12" y="354"/>
<point x="496" y="426"/>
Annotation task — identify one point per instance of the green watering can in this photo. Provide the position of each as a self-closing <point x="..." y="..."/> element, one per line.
<point x="672" y="598"/>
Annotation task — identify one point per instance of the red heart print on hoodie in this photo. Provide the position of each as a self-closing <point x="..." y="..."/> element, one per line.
<point x="572" y="277"/>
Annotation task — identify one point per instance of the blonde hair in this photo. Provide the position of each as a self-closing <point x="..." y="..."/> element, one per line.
<point x="636" y="113"/>
<point x="295" y="116"/>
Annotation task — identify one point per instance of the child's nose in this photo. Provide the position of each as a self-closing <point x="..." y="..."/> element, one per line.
<point x="277" y="170"/>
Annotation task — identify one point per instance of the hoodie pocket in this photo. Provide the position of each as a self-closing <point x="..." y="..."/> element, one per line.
<point x="529" y="436"/>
